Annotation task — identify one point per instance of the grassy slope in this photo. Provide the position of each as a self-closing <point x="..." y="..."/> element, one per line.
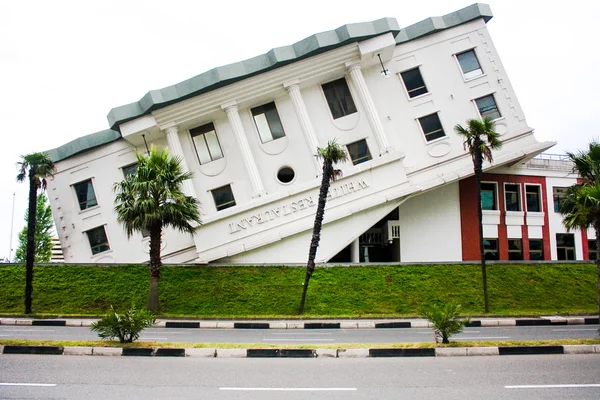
<point x="275" y="291"/>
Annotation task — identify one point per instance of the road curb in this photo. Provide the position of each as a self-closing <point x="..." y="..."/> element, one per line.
<point x="330" y="324"/>
<point x="301" y="353"/>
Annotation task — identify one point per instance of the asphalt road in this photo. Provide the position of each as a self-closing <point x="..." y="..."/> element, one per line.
<point x="499" y="377"/>
<point x="307" y="336"/>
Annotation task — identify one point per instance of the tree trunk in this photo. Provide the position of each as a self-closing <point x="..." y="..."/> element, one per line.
<point x="597" y="229"/>
<point x="478" y="162"/>
<point x="316" y="236"/>
<point x="445" y="339"/>
<point x="155" y="264"/>
<point x="30" y="254"/>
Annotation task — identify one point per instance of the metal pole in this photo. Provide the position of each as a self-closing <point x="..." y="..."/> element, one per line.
<point x="12" y="220"/>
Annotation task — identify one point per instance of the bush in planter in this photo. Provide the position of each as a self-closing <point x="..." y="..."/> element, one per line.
<point x="127" y="326"/>
<point x="445" y="320"/>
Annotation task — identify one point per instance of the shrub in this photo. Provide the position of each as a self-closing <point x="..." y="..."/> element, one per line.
<point x="127" y="326"/>
<point x="445" y="320"/>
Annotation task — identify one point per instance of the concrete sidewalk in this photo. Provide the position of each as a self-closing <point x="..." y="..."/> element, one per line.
<point x="314" y="323"/>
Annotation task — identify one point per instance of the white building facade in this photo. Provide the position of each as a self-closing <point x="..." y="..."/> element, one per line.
<point x="249" y="132"/>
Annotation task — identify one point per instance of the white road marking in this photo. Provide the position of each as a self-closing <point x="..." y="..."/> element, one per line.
<point x="292" y="333"/>
<point x="28" y="384"/>
<point x="574" y="330"/>
<point x="26" y="330"/>
<point x="297" y="340"/>
<point x="553" y="386"/>
<point x="289" y="389"/>
<point x="482" y="337"/>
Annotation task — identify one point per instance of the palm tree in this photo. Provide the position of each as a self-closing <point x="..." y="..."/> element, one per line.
<point x="581" y="206"/>
<point x="152" y="199"/>
<point x="332" y="154"/>
<point x="36" y="167"/>
<point x="480" y="139"/>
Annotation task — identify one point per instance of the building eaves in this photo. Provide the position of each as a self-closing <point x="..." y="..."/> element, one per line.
<point x="436" y="24"/>
<point x="228" y="74"/>
<point x="83" y="144"/>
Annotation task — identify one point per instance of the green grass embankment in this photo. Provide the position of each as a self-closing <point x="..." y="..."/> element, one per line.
<point x="246" y="292"/>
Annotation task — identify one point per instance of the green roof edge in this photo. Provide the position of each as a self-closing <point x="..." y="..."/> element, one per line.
<point x="436" y="24"/>
<point x="275" y="58"/>
<point x="83" y="144"/>
<point x="228" y="74"/>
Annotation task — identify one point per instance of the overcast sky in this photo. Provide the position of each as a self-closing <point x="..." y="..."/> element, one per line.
<point x="65" y="64"/>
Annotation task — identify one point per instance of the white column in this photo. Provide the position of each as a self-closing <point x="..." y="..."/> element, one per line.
<point x="176" y="150"/>
<point x="231" y="109"/>
<point x="355" y="251"/>
<point x="310" y="135"/>
<point x="367" y="101"/>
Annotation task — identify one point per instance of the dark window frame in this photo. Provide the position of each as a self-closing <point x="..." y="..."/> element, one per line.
<point x="539" y="252"/>
<point x="414" y="92"/>
<point x="339" y="98"/>
<point x="434" y="134"/>
<point x="273" y="121"/>
<point x="518" y="192"/>
<point x="85" y="204"/>
<point x="558" y="196"/>
<point x="466" y="74"/>
<point x="483" y="114"/>
<point x="97" y="248"/>
<point x="362" y="159"/>
<point x="200" y="132"/>
<point x="592" y="250"/>
<point x="564" y="250"/>
<point x="515" y="249"/>
<point x="227" y="204"/>
<point x="539" y="197"/>
<point x="129" y="169"/>
<point x="495" y="196"/>
<point x="493" y="251"/>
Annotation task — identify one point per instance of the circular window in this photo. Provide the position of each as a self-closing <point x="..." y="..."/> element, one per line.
<point x="286" y="175"/>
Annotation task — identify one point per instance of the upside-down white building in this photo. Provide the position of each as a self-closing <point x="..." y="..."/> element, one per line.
<point x="249" y="132"/>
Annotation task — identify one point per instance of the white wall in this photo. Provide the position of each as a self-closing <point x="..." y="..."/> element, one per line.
<point x="430" y="226"/>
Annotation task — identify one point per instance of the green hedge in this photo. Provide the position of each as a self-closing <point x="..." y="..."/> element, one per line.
<point x="203" y="291"/>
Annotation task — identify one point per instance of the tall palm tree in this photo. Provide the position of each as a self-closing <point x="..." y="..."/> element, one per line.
<point x="331" y="155"/>
<point x="152" y="199"/>
<point x="36" y="167"/>
<point x="581" y="207"/>
<point x="480" y="139"/>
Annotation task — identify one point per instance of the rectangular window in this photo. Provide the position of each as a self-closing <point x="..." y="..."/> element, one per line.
<point x="592" y="250"/>
<point x="206" y="143"/>
<point x="359" y="152"/>
<point x="532" y="195"/>
<point x="558" y="196"/>
<point x="432" y="127"/>
<point x="469" y="64"/>
<point x="536" y="249"/>
<point x="487" y="107"/>
<point x="490" y="249"/>
<point x="339" y="98"/>
<point x="565" y="246"/>
<point x="267" y="122"/>
<point x="515" y="249"/>
<point x="488" y="196"/>
<point x="413" y="82"/>
<point x="512" y="197"/>
<point x="223" y="197"/>
<point x="129" y="170"/>
<point x="85" y="194"/>
<point x="98" y="240"/>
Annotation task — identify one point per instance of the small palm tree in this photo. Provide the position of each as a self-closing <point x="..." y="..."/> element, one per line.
<point x="331" y="155"/>
<point x="151" y="199"/>
<point x="581" y="207"/>
<point x="480" y="139"/>
<point x="36" y="167"/>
